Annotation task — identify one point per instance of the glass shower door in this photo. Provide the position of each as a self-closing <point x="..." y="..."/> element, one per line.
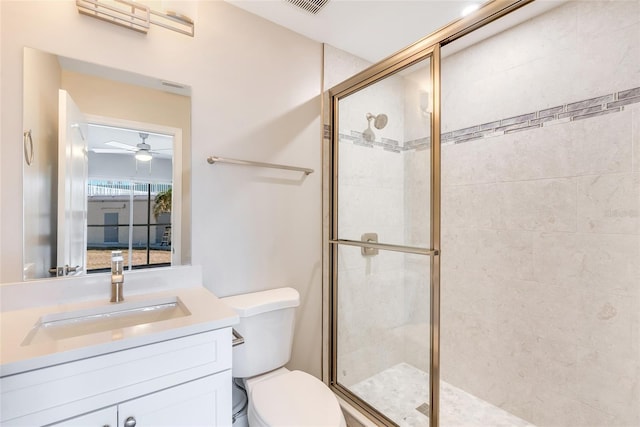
<point x="381" y="245"/>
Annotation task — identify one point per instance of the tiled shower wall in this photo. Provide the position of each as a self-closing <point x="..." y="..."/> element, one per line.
<point x="540" y="223"/>
<point x="540" y="271"/>
<point x="577" y="51"/>
<point x="541" y="217"/>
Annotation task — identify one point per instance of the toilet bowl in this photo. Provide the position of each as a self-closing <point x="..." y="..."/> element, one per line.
<point x="277" y="397"/>
<point x="291" y="398"/>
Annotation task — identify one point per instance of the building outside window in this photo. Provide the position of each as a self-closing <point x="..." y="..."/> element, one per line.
<point x="134" y="217"/>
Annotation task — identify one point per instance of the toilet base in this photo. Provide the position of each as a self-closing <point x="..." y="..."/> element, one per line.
<point x="240" y="405"/>
<point x="241" y="420"/>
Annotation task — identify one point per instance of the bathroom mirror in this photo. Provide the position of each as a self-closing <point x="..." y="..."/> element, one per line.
<point x="104" y="154"/>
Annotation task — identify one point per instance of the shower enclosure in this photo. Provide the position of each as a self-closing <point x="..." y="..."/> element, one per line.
<point x="383" y="239"/>
<point x="485" y="222"/>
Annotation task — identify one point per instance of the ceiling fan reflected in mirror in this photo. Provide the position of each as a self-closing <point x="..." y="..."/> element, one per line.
<point x="142" y="150"/>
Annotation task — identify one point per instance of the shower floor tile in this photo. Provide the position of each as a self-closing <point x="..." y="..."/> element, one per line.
<point x="399" y="391"/>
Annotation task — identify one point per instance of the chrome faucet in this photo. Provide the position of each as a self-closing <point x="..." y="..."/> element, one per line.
<point x="117" y="276"/>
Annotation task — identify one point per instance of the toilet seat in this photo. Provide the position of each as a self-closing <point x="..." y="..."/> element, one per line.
<point x="293" y="398"/>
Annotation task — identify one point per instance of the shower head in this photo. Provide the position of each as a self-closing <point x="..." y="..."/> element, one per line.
<point x="379" y="121"/>
<point x="368" y="134"/>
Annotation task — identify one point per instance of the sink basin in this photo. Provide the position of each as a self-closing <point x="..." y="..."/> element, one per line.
<point x="103" y="318"/>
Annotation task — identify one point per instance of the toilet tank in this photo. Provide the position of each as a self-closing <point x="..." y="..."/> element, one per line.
<point x="266" y="323"/>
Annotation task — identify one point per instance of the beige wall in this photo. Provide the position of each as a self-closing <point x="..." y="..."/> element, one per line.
<point x="256" y="95"/>
<point x="1" y="109"/>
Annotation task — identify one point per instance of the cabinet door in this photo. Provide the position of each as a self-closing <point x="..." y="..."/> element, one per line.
<point x="202" y="402"/>
<point x="107" y="417"/>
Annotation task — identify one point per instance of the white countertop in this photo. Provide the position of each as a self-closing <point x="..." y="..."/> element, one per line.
<point x="206" y="312"/>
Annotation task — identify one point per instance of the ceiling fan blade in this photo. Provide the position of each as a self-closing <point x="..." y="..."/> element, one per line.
<point x="121" y="146"/>
<point x="110" y="151"/>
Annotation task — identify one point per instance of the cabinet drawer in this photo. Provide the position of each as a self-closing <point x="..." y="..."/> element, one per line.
<point x="104" y="417"/>
<point x="60" y="391"/>
<point x="203" y="402"/>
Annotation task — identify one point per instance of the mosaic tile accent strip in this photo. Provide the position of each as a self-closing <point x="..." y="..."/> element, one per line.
<point x="401" y="391"/>
<point x="326" y="131"/>
<point x="587" y="108"/>
<point x="385" y="143"/>
<point x="580" y="110"/>
<point x="418" y="144"/>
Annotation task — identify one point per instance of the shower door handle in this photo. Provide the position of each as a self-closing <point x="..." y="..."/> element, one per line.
<point x="369" y="238"/>
<point x="64" y="271"/>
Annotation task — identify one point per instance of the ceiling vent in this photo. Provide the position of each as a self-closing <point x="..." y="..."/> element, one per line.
<point x="311" y="6"/>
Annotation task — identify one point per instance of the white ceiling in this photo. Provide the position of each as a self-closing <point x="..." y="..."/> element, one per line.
<point x="376" y="29"/>
<point x="128" y="77"/>
<point x="370" y="29"/>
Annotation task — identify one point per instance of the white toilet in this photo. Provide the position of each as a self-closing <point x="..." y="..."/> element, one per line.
<point x="277" y="397"/>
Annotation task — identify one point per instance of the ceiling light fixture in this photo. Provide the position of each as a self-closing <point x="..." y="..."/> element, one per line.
<point x="144" y="150"/>
<point x="135" y="16"/>
<point x="143" y="156"/>
<point x="469" y="9"/>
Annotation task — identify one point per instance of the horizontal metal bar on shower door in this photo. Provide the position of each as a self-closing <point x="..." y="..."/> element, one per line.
<point x="385" y="246"/>
<point x="216" y="159"/>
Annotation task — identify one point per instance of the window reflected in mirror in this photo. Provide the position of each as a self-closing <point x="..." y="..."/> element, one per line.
<point x="134" y="217"/>
<point x="129" y="197"/>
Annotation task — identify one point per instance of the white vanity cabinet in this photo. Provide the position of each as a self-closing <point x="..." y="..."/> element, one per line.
<point x="195" y="403"/>
<point x="184" y="381"/>
<point x="107" y="417"/>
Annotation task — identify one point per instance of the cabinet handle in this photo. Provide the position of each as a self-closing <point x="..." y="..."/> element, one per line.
<point x="28" y="149"/>
<point x="130" y="422"/>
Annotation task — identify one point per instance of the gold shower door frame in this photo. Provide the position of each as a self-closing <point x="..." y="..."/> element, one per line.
<point x="427" y="48"/>
<point x="431" y="53"/>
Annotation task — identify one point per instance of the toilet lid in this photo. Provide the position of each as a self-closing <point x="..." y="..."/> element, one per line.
<point x="295" y="399"/>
